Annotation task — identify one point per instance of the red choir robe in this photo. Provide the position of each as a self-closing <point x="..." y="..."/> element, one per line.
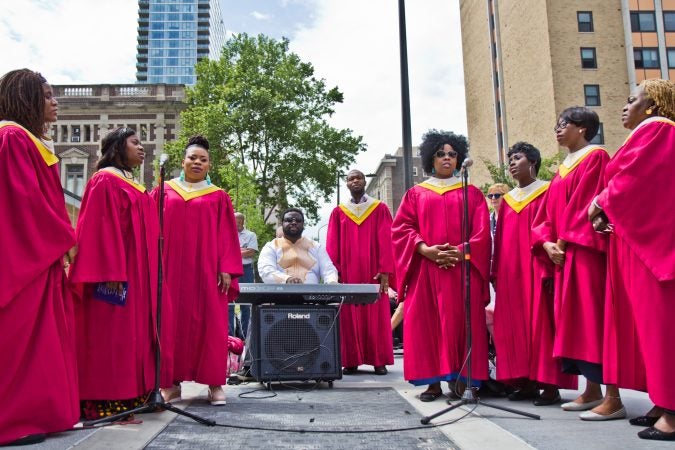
<point x="580" y="282"/>
<point x="434" y="325"/>
<point x="359" y="244"/>
<point x="200" y="241"/>
<point x="117" y="236"/>
<point x="38" y="379"/>
<point x="638" y="177"/>
<point x="523" y="317"/>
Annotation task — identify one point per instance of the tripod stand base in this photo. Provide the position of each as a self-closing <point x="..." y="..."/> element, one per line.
<point x="154" y="403"/>
<point x="469" y="398"/>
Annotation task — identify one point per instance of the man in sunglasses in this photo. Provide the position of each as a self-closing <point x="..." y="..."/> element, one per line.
<point x="295" y="259"/>
<point x="495" y="195"/>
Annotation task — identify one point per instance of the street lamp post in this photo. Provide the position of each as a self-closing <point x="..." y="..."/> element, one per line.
<point x="405" y="99"/>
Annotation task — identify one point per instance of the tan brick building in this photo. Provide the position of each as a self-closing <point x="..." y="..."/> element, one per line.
<point x="88" y="112"/>
<point x="527" y="60"/>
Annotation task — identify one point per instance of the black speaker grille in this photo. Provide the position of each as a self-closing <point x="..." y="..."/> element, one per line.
<point x="291" y="346"/>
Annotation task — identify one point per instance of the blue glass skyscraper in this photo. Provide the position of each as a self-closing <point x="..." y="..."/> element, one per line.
<point x="173" y="35"/>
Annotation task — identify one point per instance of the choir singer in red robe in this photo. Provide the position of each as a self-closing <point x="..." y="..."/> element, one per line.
<point x="562" y="232"/>
<point x="523" y="318"/>
<point x="115" y="277"/>
<point x="643" y="233"/>
<point x="38" y="379"/>
<point x="202" y="260"/>
<point x="428" y="248"/>
<point x="359" y="244"/>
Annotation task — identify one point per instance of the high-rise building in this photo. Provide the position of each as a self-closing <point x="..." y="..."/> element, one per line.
<point x="527" y="60"/>
<point x="173" y="35"/>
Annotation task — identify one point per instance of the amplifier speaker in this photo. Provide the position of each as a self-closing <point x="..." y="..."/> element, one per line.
<point x="299" y="342"/>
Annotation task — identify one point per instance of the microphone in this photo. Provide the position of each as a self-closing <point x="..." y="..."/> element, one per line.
<point x="468" y="162"/>
<point x="163" y="158"/>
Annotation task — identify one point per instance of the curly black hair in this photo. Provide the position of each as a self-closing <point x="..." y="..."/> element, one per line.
<point x="583" y="118"/>
<point x="434" y="140"/>
<point x="530" y="151"/>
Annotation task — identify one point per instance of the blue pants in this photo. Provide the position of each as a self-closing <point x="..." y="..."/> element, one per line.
<point x="245" y="310"/>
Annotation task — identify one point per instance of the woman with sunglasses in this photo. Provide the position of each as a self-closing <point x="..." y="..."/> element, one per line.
<point x="562" y="232"/>
<point x="495" y="195"/>
<point x="641" y="265"/>
<point x="428" y="247"/>
<point x="115" y="277"/>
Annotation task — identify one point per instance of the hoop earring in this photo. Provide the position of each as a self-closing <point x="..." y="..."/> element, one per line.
<point x="181" y="177"/>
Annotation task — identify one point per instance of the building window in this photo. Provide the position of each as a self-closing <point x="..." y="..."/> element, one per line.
<point x="75" y="179"/>
<point x="588" y="59"/>
<point x="646" y="58"/>
<point x="669" y="20"/>
<point x="585" y="21"/>
<point x="641" y="21"/>
<point x="671" y="58"/>
<point x="76" y="134"/>
<point x="414" y="171"/>
<point x="592" y="94"/>
<point x="599" y="138"/>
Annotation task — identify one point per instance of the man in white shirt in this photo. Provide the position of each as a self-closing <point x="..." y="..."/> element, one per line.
<point x="248" y="243"/>
<point x="293" y="258"/>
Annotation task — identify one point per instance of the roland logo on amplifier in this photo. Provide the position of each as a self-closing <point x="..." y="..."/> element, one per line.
<point x="298" y="315"/>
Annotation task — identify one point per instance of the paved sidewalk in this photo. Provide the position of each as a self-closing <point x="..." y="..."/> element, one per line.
<point x="483" y="428"/>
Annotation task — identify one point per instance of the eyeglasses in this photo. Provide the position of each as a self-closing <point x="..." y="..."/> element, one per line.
<point x="441" y="154"/>
<point x="491" y="196"/>
<point x="560" y="126"/>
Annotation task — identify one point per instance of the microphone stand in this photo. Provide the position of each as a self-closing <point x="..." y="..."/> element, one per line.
<point x="155" y="402"/>
<point x="470" y="397"/>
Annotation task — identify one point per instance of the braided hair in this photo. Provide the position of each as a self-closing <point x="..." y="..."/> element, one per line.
<point x="113" y="149"/>
<point x="662" y="92"/>
<point x="22" y="99"/>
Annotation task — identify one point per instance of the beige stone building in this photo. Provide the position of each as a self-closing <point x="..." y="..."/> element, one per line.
<point x="88" y="112"/>
<point x="527" y="60"/>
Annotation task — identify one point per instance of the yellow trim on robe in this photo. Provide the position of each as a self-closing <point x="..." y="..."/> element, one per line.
<point x="358" y="219"/>
<point x="518" y="206"/>
<point x="440" y="190"/>
<point x="187" y="196"/>
<point x="563" y="170"/>
<point x="645" y="122"/>
<point x="49" y="157"/>
<point x="112" y="171"/>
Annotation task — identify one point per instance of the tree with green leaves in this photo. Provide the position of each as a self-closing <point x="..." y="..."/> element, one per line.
<point x="266" y="117"/>
<point x="500" y="174"/>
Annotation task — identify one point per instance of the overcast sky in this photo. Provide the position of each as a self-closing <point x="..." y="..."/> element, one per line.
<point x="353" y="44"/>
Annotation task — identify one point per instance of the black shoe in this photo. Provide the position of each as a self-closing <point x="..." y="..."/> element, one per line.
<point x="350" y="370"/>
<point x="546" y="401"/>
<point x="245" y="374"/>
<point x="380" y="370"/>
<point x="523" y="395"/>
<point x="29" y="439"/>
<point x="656" y="435"/>
<point x="430" y="396"/>
<point x="644" y="421"/>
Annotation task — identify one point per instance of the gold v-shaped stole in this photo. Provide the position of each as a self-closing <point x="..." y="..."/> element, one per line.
<point x="187" y="196"/>
<point x="518" y="205"/>
<point x="563" y="170"/>
<point x="440" y="189"/>
<point x="359" y="212"/>
<point x="137" y="186"/>
<point x="49" y="158"/>
<point x="295" y="258"/>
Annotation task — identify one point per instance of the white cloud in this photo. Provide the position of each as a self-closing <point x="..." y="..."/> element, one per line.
<point x="355" y="45"/>
<point x="261" y="16"/>
<point x="71" y="41"/>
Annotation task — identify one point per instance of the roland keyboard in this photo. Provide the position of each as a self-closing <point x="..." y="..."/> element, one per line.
<point x="297" y="294"/>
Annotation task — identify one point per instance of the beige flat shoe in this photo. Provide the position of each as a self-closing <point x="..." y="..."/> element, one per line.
<point x="172" y="393"/>
<point x="216" y="396"/>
